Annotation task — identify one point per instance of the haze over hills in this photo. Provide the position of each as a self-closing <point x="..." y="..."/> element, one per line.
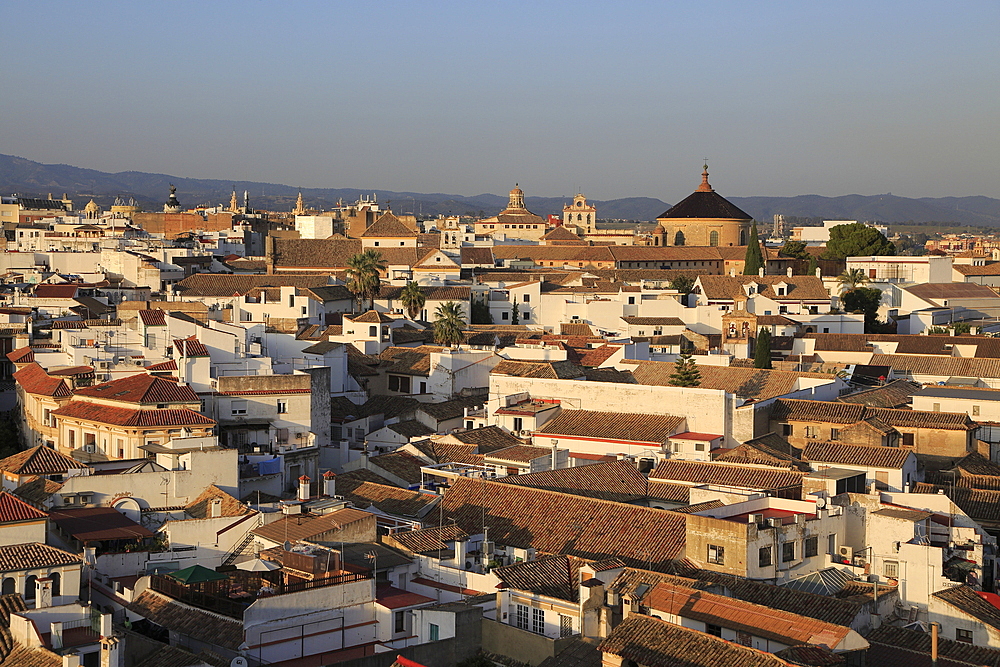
<point x="29" y="178"/>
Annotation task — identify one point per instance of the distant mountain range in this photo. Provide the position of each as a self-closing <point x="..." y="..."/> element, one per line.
<point x="28" y="178"/>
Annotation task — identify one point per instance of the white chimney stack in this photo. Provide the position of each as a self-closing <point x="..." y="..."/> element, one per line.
<point x="71" y="659"/>
<point x="110" y="652"/>
<point x="43" y="592"/>
<point x="304" y="488"/>
<point x="216" y="507"/>
<point x="56" y="637"/>
<point x="330" y="483"/>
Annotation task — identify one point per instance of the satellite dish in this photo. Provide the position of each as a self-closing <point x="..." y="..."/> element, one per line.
<point x="820" y="503"/>
<point x="238" y="661"/>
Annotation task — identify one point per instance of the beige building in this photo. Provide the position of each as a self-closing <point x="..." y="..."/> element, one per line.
<point x="703" y="218"/>
<point x="580" y="214"/>
<point x="515" y="221"/>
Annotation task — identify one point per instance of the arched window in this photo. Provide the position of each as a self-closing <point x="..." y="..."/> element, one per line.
<point x="9" y="586"/>
<point x="713" y="238"/>
<point x="679" y="238"/>
<point x="29" y="588"/>
<point x="579" y="216"/>
<point x="56" y="584"/>
<point x="743" y="237"/>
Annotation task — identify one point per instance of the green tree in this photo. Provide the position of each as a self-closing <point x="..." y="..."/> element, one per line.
<point x="515" y="316"/>
<point x="683" y="284"/>
<point x="852" y="279"/>
<point x="449" y="327"/>
<point x="813" y="265"/>
<point x="753" y="261"/>
<point x="962" y="328"/>
<point x="863" y="300"/>
<point x="762" y="350"/>
<point x="364" y="277"/>
<point x="413" y="299"/>
<point x="481" y="310"/>
<point x="9" y="436"/>
<point x="856" y="240"/>
<point x="686" y="372"/>
<point x="796" y="249"/>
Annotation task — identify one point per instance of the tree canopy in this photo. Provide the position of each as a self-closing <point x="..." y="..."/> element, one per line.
<point x="856" y="240"/>
<point x="364" y="277"/>
<point x="762" y="351"/>
<point x="753" y="261"/>
<point x="863" y="300"/>
<point x="686" y="372"/>
<point x="413" y="299"/>
<point x="449" y="327"/>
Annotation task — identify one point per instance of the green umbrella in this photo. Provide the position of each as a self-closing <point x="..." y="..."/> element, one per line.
<point x="197" y="574"/>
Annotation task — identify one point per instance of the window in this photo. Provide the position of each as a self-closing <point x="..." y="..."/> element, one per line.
<point x="468" y="426"/>
<point x="714" y="630"/>
<point x="538" y="621"/>
<point x="434" y="632"/>
<point x="890" y="569"/>
<point x="835" y="434"/>
<point x="90" y="442"/>
<point x="376" y="244"/>
<point x="400" y="383"/>
<point x="812" y="432"/>
<point x="505" y="315"/>
<point x="518" y="423"/>
<point x="282" y="406"/>
<point x="373" y="331"/>
<point x="699" y="446"/>
<point x="716" y="554"/>
<point x="936" y="407"/>
<point x="964" y="636"/>
<point x="811" y="547"/>
<point x="713" y="238"/>
<point x="399" y="621"/>
<point x="764" y="557"/>
<point x="787" y="552"/>
<point x="521" y="617"/>
<point x="565" y="625"/>
<point x="631" y="301"/>
<point x="975" y="410"/>
<point x="47" y="419"/>
<point x="525" y="298"/>
<point x="239" y="407"/>
<point x="786" y="429"/>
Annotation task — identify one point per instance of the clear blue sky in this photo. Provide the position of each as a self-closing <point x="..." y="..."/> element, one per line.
<point x="617" y="98"/>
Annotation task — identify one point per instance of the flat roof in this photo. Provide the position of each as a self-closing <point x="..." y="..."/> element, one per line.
<point x="834" y="473"/>
<point x="942" y="391"/>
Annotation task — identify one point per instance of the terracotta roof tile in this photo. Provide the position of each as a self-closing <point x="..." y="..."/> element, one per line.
<point x="402" y="465"/>
<point x="40" y="460"/>
<point x="565" y="370"/>
<point x="619" y="481"/>
<point x="981" y="505"/>
<point x="654" y="643"/>
<point x="863" y="455"/>
<point x="429" y="540"/>
<point x="697" y="472"/>
<point x="97" y="524"/>
<point x="757" y="383"/>
<point x="627" y="427"/>
<point x="306" y="526"/>
<point x="37" y="491"/>
<point x="142" y="389"/>
<point x="904" y="643"/>
<point x="939" y="366"/>
<point x="206" y="626"/>
<point x="34" y="380"/>
<point x="105" y="414"/>
<point x="33" y="555"/>
<point x="22" y="355"/>
<point x="388" y="226"/>
<point x="518" y="454"/>
<point x="895" y="394"/>
<point x="190" y="347"/>
<point x="226" y="285"/>
<point x="153" y="318"/>
<point x="557" y="523"/>
<point x="388" y="499"/>
<point x="13" y="509"/>
<point x="969" y="601"/>
<point x="799" y="288"/>
<point x="554" y="577"/>
<point x="201" y="507"/>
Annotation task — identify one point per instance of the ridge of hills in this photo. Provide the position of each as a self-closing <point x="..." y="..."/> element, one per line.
<point x="28" y="178"/>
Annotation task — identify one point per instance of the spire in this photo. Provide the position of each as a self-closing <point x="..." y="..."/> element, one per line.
<point x="704" y="187"/>
<point x="516" y="200"/>
<point x="233" y="203"/>
<point x="172" y="205"/>
<point x="300" y="207"/>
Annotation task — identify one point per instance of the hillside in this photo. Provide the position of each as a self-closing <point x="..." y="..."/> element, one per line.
<point x="28" y="178"/>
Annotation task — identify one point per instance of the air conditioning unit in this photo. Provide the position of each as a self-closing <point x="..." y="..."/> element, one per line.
<point x="845" y="552"/>
<point x="299" y="436"/>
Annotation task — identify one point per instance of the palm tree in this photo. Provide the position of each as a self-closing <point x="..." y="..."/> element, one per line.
<point x="413" y="299"/>
<point x="364" y="275"/>
<point x="449" y="325"/>
<point x="852" y="279"/>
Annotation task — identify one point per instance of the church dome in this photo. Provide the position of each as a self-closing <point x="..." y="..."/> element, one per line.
<point x="91" y="207"/>
<point x="706" y="203"/>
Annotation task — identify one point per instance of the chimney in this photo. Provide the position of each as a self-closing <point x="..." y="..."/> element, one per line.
<point x="110" y="652"/>
<point x="819" y="273"/>
<point x="934" y="644"/>
<point x="760" y="272"/>
<point x="216" y="507"/>
<point x="56" y="637"/>
<point x="788" y="272"/>
<point x="43" y="592"/>
<point x="106" y="627"/>
<point x="330" y="483"/>
<point x="71" y="659"/>
<point x="304" y="488"/>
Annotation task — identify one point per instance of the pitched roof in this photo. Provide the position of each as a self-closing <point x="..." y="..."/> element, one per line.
<point x="402" y="465"/>
<point x="912" y="648"/>
<point x="477" y="255"/>
<point x="895" y="394"/>
<point x="935" y="291"/>
<point x="22" y="355"/>
<point x="697" y="472"/>
<point x="33" y="555"/>
<point x="209" y="627"/>
<point x="980" y="504"/>
<point x="201" y="507"/>
<point x="757" y="383"/>
<point x="37" y="491"/>
<point x="190" y="347"/>
<point x="977" y="464"/>
<point x="554" y="577"/>
<point x="369" y="316"/>
<point x="388" y="499"/>
<point x="939" y="366"/>
<point x="654" y="321"/>
<point x="561" y="234"/>
<point x="557" y="523"/>
<point x="651" y="642"/>
<point x="613" y="425"/>
<point x="519" y="454"/>
<point x="97" y="524"/>
<point x="227" y="285"/>
<point x="153" y="318"/>
<point x="787" y="409"/>
<point x="106" y="414"/>
<point x="757" y="453"/>
<point x="619" y="481"/>
<point x="429" y="540"/>
<point x="759" y="620"/>
<point x="40" y="460"/>
<point x="34" y="380"/>
<point x="142" y="389"/>
<point x="13" y="509"/>
<point x="807" y="288"/>
<point x="411" y="428"/>
<point x="972" y="602"/>
<point x="305" y="526"/>
<point x="564" y="370"/>
<point x="862" y="455"/>
<point x="388" y="226"/>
